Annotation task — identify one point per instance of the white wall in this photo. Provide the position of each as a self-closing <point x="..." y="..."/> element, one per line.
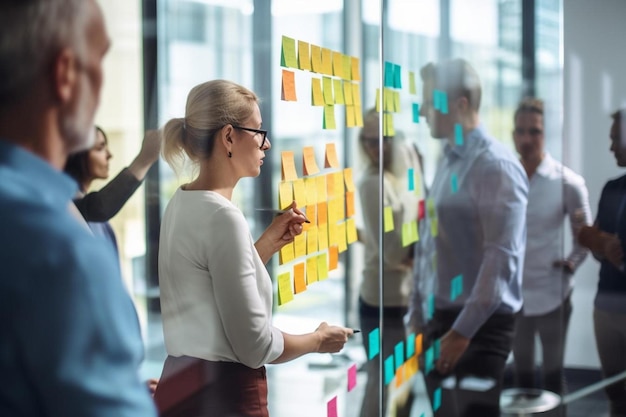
<point x="594" y="86"/>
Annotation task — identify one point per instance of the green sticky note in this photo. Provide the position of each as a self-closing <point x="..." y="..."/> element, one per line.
<point x="374" y="343"/>
<point x="338" y="88"/>
<point x="412" y="86"/>
<point x="288" y="56"/>
<point x="329" y="117"/>
<point x="388" y="219"/>
<point x="390" y="372"/>
<point x="415" y="234"/>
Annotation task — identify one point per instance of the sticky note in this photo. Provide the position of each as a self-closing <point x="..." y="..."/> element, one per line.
<point x="288" y="53"/>
<point x="359" y="115"/>
<point x="437" y="399"/>
<point x="410" y="345"/>
<point x="389" y="76"/>
<point x="351" y="231"/>
<point x="311" y="238"/>
<point x="388" y="125"/>
<point x="311" y="214"/>
<point x="434" y="227"/>
<point x="347" y="68"/>
<point x="348" y="179"/>
<point x="327" y="64"/>
<point x="411" y="179"/>
<point x="436" y="349"/>
<point x="298" y="278"/>
<point x="331" y="407"/>
<point x="327" y="83"/>
<point x="406" y="235"/>
<point x="396" y="102"/>
<point x="299" y="246"/>
<point x="411" y="366"/>
<point x="416" y="112"/>
<point x="322" y="236"/>
<point x="299" y="192"/>
<point x="412" y="85"/>
<point x="430" y="204"/>
<point x="337" y="64"/>
<point x="285" y="194"/>
<point x="456" y="287"/>
<point x="331" y="160"/>
<point x="429" y="360"/>
<point x="322" y="212"/>
<point x="458" y="134"/>
<point x="311" y="270"/>
<point x="288" y="166"/>
<point x="388" y="104"/>
<point x="329" y="118"/>
<point x="352" y="377"/>
<point x="399" y="375"/>
<point x="285" y="293"/>
<point x="304" y="56"/>
<point x="350" y="210"/>
<point x="288" y="89"/>
<point x="338" y="90"/>
<point x="286" y="254"/>
<point x="308" y="161"/>
<point x="322" y="266"/>
<point x="415" y="236"/>
<point x="454" y="183"/>
<point x="316" y="59"/>
<point x="350" y="116"/>
<point x="397" y="76"/>
<point x="356" y="74"/>
<point x="444" y="102"/>
<point x="347" y="93"/>
<point x="398" y="354"/>
<point x="419" y="340"/>
<point x="436" y="99"/>
<point x="321" y="188"/>
<point x="356" y="95"/>
<point x="317" y="96"/>
<point x="333" y="258"/>
<point x="310" y="185"/>
<point x="373" y="343"/>
<point x="389" y="369"/>
<point x="342" y="238"/>
<point x="333" y="209"/>
<point x="388" y="219"/>
<point x="333" y="239"/>
<point x="421" y="209"/>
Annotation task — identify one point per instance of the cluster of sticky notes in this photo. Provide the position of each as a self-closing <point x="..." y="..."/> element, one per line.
<point x="328" y="202"/>
<point x="339" y="83"/>
<point x="415" y="182"/>
<point x="402" y="364"/>
<point x="410" y="230"/>
<point x="456" y="287"/>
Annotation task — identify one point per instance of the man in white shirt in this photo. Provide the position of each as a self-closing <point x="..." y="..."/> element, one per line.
<point x="469" y="261"/>
<point x="555" y="192"/>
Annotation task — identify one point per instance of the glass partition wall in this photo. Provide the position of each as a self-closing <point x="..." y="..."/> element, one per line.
<point x="343" y="100"/>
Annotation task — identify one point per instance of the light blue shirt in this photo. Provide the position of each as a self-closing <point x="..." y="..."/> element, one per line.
<point x="471" y="252"/>
<point x="69" y="339"/>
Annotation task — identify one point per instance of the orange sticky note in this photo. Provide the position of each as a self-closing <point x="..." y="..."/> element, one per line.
<point x="331" y="160"/>
<point x="286" y="254"/>
<point x="400" y="375"/>
<point x="349" y="179"/>
<point x="322" y="236"/>
<point x="311" y="240"/>
<point x="351" y="231"/>
<point x="285" y="194"/>
<point x="304" y="56"/>
<point x="322" y="266"/>
<point x="298" y="278"/>
<point x="337" y="64"/>
<point x="333" y="258"/>
<point x="316" y="59"/>
<point x="317" y="97"/>
<point x="418" y="344"/>
<point x="288" y="91"/>
<point x="347" y="92"/>
<point x="310" y="185"/>
<point x="299" y="246"/>
<point x="328" y="90"/>
<point x="321" y="188"/>
<point x="342" y="237"/>
<point x="288" y="166"/>
<point x="327" y="64"/>
<point x="322" y="212"/>
<point x="311" y="270"/>
<point x="350" y="211"/>
<point x="356" y="74"/>
<point x="299" y="193"/>
<point x="309" y="166"/>
<point x="285" y="293"/>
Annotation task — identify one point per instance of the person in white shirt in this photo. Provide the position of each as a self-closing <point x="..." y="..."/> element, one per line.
<point x="216" y="294"/>
<point x="555" y="192"/>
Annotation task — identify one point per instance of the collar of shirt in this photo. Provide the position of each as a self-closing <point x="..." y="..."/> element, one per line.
<point x="461" y="151"/>
<point x="54" y="184"/>
<point x="546" y="166"/>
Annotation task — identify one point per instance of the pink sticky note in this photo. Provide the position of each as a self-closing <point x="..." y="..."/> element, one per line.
<point x="351" y="377"/>
<point x="332" y="407"/>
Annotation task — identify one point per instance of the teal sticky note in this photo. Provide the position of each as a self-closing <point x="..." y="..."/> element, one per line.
<point x="437" y="399"/>
<point x="431" y="306"/>
<point x="374" y="343"/>
<point x="443" y="102"/>
<point x="389" y="74"/>
<point x="397" y="76"/>
<point x="456" y="287"/>
<point x="390" y="371"/>
<point x="459" y="285"/>
<point x="454" y="183"/>
<point x="411" y="178"/>
<point x="399" y="354"/>
<point x="458" y="134"/>
<point x="429" y="359"/>
<point x="416" y="113"/>
<point x="436" y="349"/>
<point x="423" y="415"/>
<point x="410" y="345"/>
<point x="436" y="100"/>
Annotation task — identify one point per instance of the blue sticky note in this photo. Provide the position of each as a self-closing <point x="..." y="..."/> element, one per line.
<point x="436" y="349"/>
<point x="399" y="354"/>
<point x="431" y="306"/>
<point x="443" y="102"/>
<point x="416" y="113"/>
<point x="437" y="399"/>
<point x="411" y="178"/>
<point x="410" y="345"/>
<point x="397" y="79"/>
<point x="374" y="343"/>
<point x="429" y="359"/>
<point x="454" y="183"/>
<point x="389" y="76"/>
<point x="458" y="134"/>
<point x="390" y="371"/>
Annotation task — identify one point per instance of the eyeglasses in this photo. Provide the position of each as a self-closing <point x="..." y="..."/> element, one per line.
<point x="533" y="131"/>
<point x="256" y="132"/>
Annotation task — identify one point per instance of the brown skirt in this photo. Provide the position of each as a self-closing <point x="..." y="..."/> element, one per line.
<point x="191" y="387"/>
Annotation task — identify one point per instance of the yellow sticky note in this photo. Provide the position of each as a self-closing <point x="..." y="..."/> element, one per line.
<point x="338" y="89"/>
<point x="328" y="90"/>
<point x="388" y="219"/>
<point x="311" y="240"/>
<point x="333" y="238"/>
<point x="347" y="92"/>
<point x="349" y="179"/>
<point x="288" y="166"/>
<point x="321" y="188"/>
<point x="412" y="88"/>
<point x="415" y="234"/>
<point x="356" y="74"/>
<point x="351" y="231"/>
<point x="322" y="266"/>
<point x="288" y="88"/>
<point x="342" y="237"/>
<point x="317" y="97"/>
<point x="337" y="64"/>
<point x="434" y="227"/>
<point x="406" y="234"/>
<point x="333" y="258"/>
<point x="330" y="186"/>
<point x="285" y="293"/>
<point x="356" y="95"/>
<point x="430" y="208"/>
<point x="311" y="270"/>
<point x="311" y="211"/>
<point x="388" y="128"/>
<point x="286" y="254"/>
<point x="359" y="115"/>
<point x="299" y="246"/>
<point x="350" y="211"/>
<point x="331" y="160"/>
<point x="329" y="118"/>
<point x="338" y="178"/>
<point x="322" y="236"/>
<point x="396" y="101"/>
<point x="350" y="116"/>
<point x="322" y="212"/>
<point x="285" y="194"/>
<point x="327" y="64"/>
<point x="310" y="185"/>
<point x="299" y="193"/>
<point x="288" y="53"/>
<point x="333" y="211"/>
<point x="316" y="59"/>
<point x="299" y="282"/>
<point x="304" y="56"/>
<point x="309" y="166"/>
<point x="347" y="67"/>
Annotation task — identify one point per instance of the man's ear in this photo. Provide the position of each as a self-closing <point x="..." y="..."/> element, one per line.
<point x="65" y="75"/>
<point x="462" y="104"/>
